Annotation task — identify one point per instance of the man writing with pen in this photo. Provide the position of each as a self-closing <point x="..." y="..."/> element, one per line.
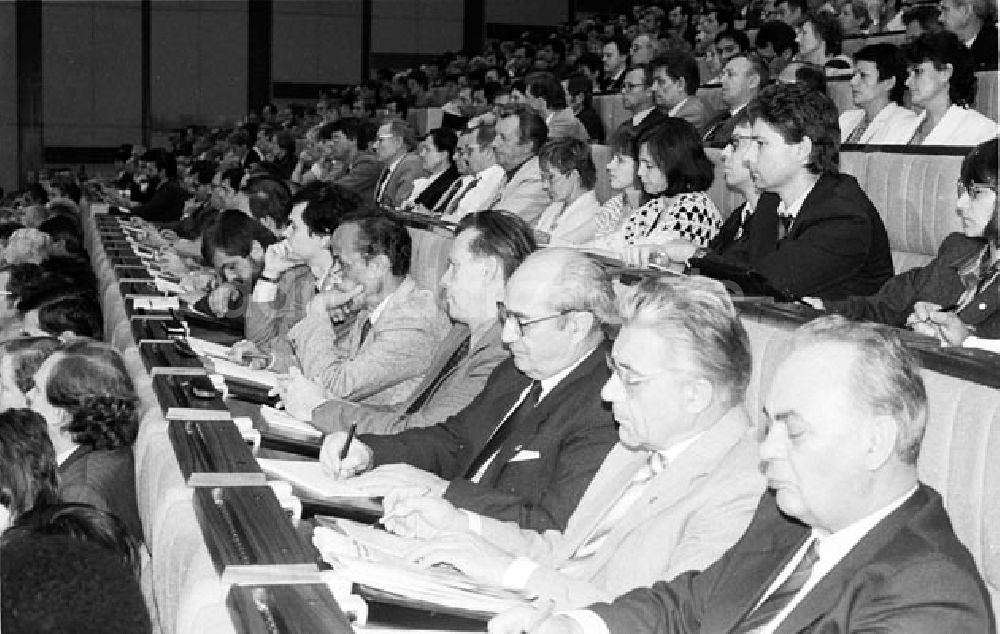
<point x="958" y="292"/>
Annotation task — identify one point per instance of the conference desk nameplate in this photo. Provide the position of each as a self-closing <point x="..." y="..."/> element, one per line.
<point x="213" y="453"/>
<point x="189" y="398"/>
<point x="288" y="609"/>
<point x="250" y="538"/>
<point x="171" y="357"/>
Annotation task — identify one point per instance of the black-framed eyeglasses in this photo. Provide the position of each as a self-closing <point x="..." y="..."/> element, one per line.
<point x="505" y="317"/>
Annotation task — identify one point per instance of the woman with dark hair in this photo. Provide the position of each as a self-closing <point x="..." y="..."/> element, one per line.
<point x="623" y="179"/>
<point x="960" y="285"/>
<point x="90" y="405"/>
<point x="20" y="358"/>
<point x="942" y="81"/>
<point x="27" y="465"/>
<point x="675" y="172"/>
<point x="569" y="176"/>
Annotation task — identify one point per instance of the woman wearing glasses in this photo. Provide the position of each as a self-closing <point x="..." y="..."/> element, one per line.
<point x="959" y="290"/>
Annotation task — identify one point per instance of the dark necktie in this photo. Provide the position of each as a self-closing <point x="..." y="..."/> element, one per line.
<point x="784" y="225"/>
<point x="713" y="126"/>
<point x="366" y="328"/>
<point x="772" y="606"/>
<point x="506" y="429"/>
<point x="449" y="193"/>
<point x="383" y="177"/>
<point x="449" y="367"/>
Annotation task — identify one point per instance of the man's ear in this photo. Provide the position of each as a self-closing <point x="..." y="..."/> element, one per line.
<point x="804" y="149"/>
<point x="882" y="433"/>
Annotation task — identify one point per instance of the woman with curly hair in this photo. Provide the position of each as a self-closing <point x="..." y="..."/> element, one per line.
<point x="90" y="405"/>
<point x="27" y="465"/>
<point x="942" y="81"/>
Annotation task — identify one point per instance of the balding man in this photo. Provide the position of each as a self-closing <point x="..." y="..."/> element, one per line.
<point x="742" y="79"/>
<point x="518" y="138"/>
<point x="528" y="446"/>
<point x="394" y="148"/>
<point x="677" y="490"/>
<point x="488" y="247"/>
<point x="848" y="539"/>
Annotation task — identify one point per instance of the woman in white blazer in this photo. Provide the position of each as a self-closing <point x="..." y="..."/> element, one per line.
<point x="942" y="81"/>
<point x="569" y="176"/>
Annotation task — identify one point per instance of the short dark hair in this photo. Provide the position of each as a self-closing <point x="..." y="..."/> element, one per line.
<point x="500" y="235"/>
<point x="943" y="48"/>
<point x="796" y="112"/>
<point x="233" y="176"/>
<point x="545" y="86"/>
<point x="802" y="6"/>
<point x="980" y="165"/>
<point x="445" y="140"/>
<point x="738" y="37"/>
<point x="326" y="205"/>
<point x="381" y="235"/>
<point x="268" y="198"/>
<point x="69" y="188"/>
<point x="77" y="312"/>
<point x="591" y="61"/>
<point x="353" y="128"/>
<point x="620" y="43"/>
<point x="679" y="65"/>
<point x="827" y="28"/>
<point x="66" y="229"/>
<point x="888" y="59"/>
<point x="723" y="14"/>
<point x="164" y="161"/>
<point x="779" y="35"/>
<point x="566" y="155"/>
<point x="28" y="468"/>
<point x="79" y="521"/>
<point x="56" y="583"/>
<point x="420" y="77"/>
<point x="812" y="76"/>
<point x="233" y="232"/>
<point x="927" y="15"/>
<point x="625" y="141"/>
<point x="677" y="151"/>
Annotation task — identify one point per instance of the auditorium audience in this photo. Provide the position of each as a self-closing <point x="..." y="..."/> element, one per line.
<point x="742" y="79"/>
<point x="481" y="187"/>
<point x="942" y="81"/>
<point x="547" y="98"/>
<point x="488" y="247"/>
<point x="166" y="200"/>
<point x="89" y="403"/>
<point x="676" y="490"/>
<point x="614" y="55"/>
<point x="637" y="100"/>
<point x="878" y="541"/>
<point x="495" y="457"/>
<point x="569" y="176"/>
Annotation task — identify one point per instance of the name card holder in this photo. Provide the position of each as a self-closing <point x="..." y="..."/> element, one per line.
<point x="171" y="357"/>
<point x="189" y="398"/>
<point x="133" y="274"/>
<point x="250" y="538"/>
<point x="147" y="307"/>
<point x="213" y="453"/>
<point x="159" y="328"/>
<point x="286" y="609"/>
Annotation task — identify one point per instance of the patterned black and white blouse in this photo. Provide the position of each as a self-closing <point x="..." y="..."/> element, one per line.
<point x="691" y="216"/>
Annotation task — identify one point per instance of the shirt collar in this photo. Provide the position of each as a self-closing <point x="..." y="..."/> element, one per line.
<point x="392" y="166"/>
<point x="377" y="311"/>
<point x="639" y="116"/>
<point x="677" y="108"/>
<point x="792" y="211"/>
<point x="64" y="455"/>
<point x="550" y="383"/>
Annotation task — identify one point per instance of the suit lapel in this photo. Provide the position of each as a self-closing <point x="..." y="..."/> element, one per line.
<point x="825" y="594"/>
<point x="76" y="456"/>
<point x="554" y="399"/>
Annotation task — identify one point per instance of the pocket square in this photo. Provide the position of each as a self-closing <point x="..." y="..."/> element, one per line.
<point x="526" y="454"/>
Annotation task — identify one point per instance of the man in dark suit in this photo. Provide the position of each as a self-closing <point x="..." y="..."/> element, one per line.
<point x="167" y="201"/>
<point x="973" y="22"/>
<point x="675" y="82"/>
<point x="525" y="449"/>
<point x="637" y="99"/>
<point x="848" y="539"/>
<point x="831" y="240"/>
<point x="742" y="78"/>
<point x="614" y="55"/>
<point x="393" y="147"/>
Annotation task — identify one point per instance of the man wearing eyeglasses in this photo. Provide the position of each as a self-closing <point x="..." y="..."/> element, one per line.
<point x="678" y="488"/>
<point x="526" y="449"/>
<point x="481" y="186"/>
<point x="637" y="99"/>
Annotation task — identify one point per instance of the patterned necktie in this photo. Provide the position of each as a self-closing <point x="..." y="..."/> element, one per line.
<point x="505" y="430"/>
<point x="456" y="357"/>
<point x="380" y="186"/>
<point x="459" y="195"/>
<point x="449" y="194"/>
<point x="655" y="465"/>
<point x="772" y="606"/>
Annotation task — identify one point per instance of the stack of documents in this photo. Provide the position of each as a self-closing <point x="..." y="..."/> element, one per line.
<point x="281" y="422"/>
<point x="309" y="476"/>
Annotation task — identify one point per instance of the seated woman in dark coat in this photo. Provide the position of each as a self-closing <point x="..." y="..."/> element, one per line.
<point x="962" y="280"/>
<point x="90" y="405"/>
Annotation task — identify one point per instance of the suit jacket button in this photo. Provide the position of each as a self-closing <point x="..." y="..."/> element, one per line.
<point x="982" y="306"/>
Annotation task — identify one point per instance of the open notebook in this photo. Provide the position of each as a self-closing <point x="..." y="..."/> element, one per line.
<point x="309" y="476"/>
